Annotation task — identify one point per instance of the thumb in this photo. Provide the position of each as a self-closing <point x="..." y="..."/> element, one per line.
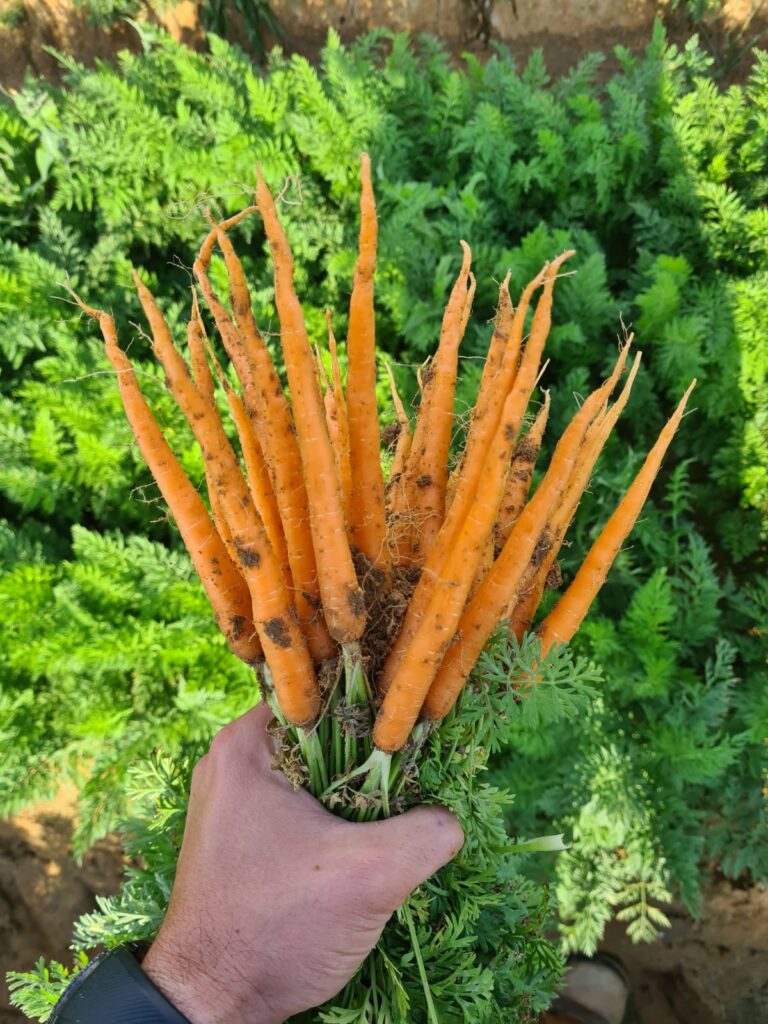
<point x="413" y="846"/>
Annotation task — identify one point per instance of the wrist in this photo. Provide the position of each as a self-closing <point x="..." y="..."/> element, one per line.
<point x="204" y="994"/>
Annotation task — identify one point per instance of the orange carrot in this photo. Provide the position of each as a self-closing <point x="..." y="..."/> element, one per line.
<point x="404" y="697"/>
<point x="483" y="426"/>
<point x="427" y="472"/>
<point x="259" y="481"/>
<point x="498" y="343"/>
<point x="528" y="373"/>
<point x="223" y="584"/>
<point x="196" y="341"/>
<point x="484" y="611"/>
<point x="569" y="612"/>
<point x="491" y="369"/>
<point x="274" y="615"/>
<point x="538" y="577"/>
<point x="403" y="444"/>
<point x="258" y="478"/>
<point x="343" y="603"/>
<point x="206" y="249"/>
<point x="367" y="525"/>
<point x="273" y="426"/>
<point x="520" y="476"/>
<point x="332" y="424"/>
<point x="341" y="445"/>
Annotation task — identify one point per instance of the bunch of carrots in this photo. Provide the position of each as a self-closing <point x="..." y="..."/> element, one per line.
<point x="364" y="603"/>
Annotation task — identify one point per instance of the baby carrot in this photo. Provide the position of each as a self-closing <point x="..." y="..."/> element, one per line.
<point x="343" y="603"/>
<point x="569" y="612"/>
<point x="367" y="525"/>
<point x="274" y="615"/>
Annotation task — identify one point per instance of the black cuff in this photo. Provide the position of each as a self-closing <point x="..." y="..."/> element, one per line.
<point x="114" y="990"/>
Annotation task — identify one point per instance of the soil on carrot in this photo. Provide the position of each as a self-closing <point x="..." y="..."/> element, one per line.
<point x="385" y="604"/>
<point x="277" y="631"/>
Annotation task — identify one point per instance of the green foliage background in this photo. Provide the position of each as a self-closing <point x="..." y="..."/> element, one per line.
<point x="655" y="176"/>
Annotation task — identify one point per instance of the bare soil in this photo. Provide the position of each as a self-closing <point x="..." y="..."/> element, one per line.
<point x="710" y="971"/>
<point x="565" y="30"/>
<point x="43" y="891"/>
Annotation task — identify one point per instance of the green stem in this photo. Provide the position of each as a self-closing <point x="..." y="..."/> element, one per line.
<point x="405" y="911"/>
<point x="312" y="752"/>
<point x="378" y="780"/>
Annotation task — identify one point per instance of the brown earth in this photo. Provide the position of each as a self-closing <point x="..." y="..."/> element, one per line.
<point x="710" y="971"/>
<point x="565" y="30"/>
<point x="43" y="891"/>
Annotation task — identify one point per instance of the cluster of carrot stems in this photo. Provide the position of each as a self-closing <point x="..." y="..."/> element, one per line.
<point x="337" y="750"/>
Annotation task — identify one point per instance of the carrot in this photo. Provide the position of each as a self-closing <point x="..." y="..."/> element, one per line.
<point x="398" y="493"/>
<point x="343" y="603"/>
<point x="468" y="305"/>
<point x="498" y="343"/>
<point x="196" y="341"/>
<point x="484" y="611"/>
<point x="569" y="612"/>
<point x="483" y="426"/>
<point x="341" y="444"/>
<point x="527" y="375"/>
<point x="332" y="424"/>
<point x="367" y="525"/>
<point x="538" y="575"/>
<point x="274" y="615"/>
<point x="520" y="476"/>
<point x="206" y="249"/>
<point x="427" y="472"/>
<point x="329" y="398"/>
<point x="273" y="427"/>
<point x="258" y="479"/>
<point x="223" y="584"/>
<point x="491" y="369"/>
<point x="404" y="697"/>
<point x="230" y="338"/>
<point x="403" y="444"/>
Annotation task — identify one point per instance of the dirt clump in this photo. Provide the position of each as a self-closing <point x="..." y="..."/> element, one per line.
<point x="43" y="890"/>
<point x="710" y="971"/>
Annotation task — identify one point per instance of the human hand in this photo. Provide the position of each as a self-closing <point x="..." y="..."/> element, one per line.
<point x="276" y="901"/>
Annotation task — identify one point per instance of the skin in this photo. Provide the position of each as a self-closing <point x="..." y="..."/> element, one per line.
<point x="277" y="902"/>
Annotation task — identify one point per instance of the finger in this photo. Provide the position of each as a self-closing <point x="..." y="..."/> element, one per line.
<point x="412" y="847"/>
